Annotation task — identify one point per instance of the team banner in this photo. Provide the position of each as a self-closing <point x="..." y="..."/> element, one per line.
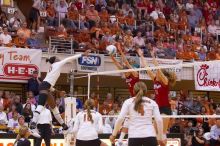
<point x="207" y="76"/>
<point x="91" y="63"/>
<point x="18" y="64"/>
<point x="177" y="69"/>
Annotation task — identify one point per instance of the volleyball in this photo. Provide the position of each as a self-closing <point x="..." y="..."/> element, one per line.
<point x="111" y="49"/>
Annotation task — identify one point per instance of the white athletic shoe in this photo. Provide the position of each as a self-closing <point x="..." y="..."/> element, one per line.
<point x="35" y="133"/>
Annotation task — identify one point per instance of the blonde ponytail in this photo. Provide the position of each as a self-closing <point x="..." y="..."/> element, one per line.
<point x="89" y="104"/>
<point x="140" y="89"/>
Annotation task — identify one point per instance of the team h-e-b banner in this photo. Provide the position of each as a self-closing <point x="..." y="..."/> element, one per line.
<point x="18" y="64"/>
<point x="91" y="63"/>
<point x="207" y="76"/>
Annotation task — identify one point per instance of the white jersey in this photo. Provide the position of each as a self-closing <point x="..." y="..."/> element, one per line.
<point x="54" y="73"/>
<point x="86" y="130"/>
<point x="138" y="126"/>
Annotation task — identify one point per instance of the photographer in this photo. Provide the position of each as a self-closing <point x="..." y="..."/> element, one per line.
<point x="197" y="139"/>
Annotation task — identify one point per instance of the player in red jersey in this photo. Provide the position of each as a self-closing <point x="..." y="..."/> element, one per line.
<point x="131" y="79"/>
<point x="162" y="81"/>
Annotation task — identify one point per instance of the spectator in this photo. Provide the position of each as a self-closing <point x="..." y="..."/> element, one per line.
<point x="34" y="15"/>
<point x="33" y="42"/>
<point x="107" y="129"/>
<point x="1" y="97"/>
<point x="21" y="121"/>
<point x="3" y="20"/>
<point x="15" y="22"/>
<point x="155" y="13"/>
<point x="61" y="11"/>
<point x="139" y="41"/>
<point x="92" y="16"/>
<point x="19" y="106"/>
<point x="73" y="17"/>
<point x="3" y="116"/>
<point x="6" y="100"/>
<point x="215" y="133"/>
<point x="104" y="108"/>
<point x="11" y="111"/>
<point x="33" y="83"/>
<point x="5" y="38"/>
<point x="129" y="21"/>
<point x="24" y="32"/>
<point x="51" y="14"/>
<point x="197" y="139"/>
<point x="27" y="113"/>
<point x="13" y="122"/>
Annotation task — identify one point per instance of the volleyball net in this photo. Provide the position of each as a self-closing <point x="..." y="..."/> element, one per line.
<point x="185" y="71"/>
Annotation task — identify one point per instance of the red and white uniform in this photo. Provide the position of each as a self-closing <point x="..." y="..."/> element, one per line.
<point x="130" y="81"/>
<point x="161" y="93"/>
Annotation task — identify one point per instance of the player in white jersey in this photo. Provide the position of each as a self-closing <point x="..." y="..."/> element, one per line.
<point x="48" y="85"/>
<point x="88" y="124"/>
<point x="141" y="110"/>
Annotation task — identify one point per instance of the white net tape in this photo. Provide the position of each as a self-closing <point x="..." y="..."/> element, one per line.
<point x="169" y="116"/>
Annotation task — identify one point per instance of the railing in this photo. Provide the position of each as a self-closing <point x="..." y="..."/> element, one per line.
<point x="60" y="45"/>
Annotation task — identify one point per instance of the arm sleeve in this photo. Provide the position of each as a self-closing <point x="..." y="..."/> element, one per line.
<point x="69" y="59"/>
<point x="212" y="133"/>
<point x="159" y="121"/>
<point x="76" y="125"/>
<point x="100" y="124"/>
<point x="121" y="117"/>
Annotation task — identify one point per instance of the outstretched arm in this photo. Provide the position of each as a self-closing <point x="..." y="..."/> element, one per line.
<point x="145" y="64"/>
<point x="125" y="60"/>
<point x="117" y="64"/>
<point x="160" y="74"/>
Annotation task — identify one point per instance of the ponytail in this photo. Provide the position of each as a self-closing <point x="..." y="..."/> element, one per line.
<point x="140" y="90"/>
<point x="89" y="115"/>
<point x="89" y="104"/>
<point x="51" y="60"/>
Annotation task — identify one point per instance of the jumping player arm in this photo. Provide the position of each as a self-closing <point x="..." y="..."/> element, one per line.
<point x="159" y="121"/>
<point x="145" y="64"/>
<point x="118" y="65"/>
<point x="125" y="60"/>
<point x="120" y="119"/>
<point x="69" y="59"/>
<point x="160" y="74"/>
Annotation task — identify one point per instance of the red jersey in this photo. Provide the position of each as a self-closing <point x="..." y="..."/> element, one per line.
<point x="130" y="81"/>
<point x="161" y="93"/>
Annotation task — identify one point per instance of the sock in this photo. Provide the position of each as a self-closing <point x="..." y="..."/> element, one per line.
<point x="37" y="113"/>
<point x="57" y="115"/>
<point x="122" y="135"/>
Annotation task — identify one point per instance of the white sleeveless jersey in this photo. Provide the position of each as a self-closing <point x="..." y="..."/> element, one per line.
<point x="84" y="129"/>
<point x="56" y="68"/>
<point x="141" y="126"/>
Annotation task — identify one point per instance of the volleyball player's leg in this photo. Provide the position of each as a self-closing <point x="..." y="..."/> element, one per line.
<point x="51" y="102"/>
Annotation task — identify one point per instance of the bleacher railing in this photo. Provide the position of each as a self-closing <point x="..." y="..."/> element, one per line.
<point x="60" y="45"/>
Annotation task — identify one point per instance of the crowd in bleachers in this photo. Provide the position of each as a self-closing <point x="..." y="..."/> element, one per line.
<point x="182" y="29"/>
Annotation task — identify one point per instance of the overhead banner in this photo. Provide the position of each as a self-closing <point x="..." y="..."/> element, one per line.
<point x="91" y="63"/>
<point x="177" y="69"/>
<point x="18" y="64"/>
<point x="207" y="76"/>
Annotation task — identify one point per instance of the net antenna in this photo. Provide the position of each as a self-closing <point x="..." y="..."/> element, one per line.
<point x="191" y="64"/>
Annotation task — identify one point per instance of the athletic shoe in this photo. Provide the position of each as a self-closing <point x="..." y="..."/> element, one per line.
<point x="33" y="125"/>
<point x="35" y="133"/>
